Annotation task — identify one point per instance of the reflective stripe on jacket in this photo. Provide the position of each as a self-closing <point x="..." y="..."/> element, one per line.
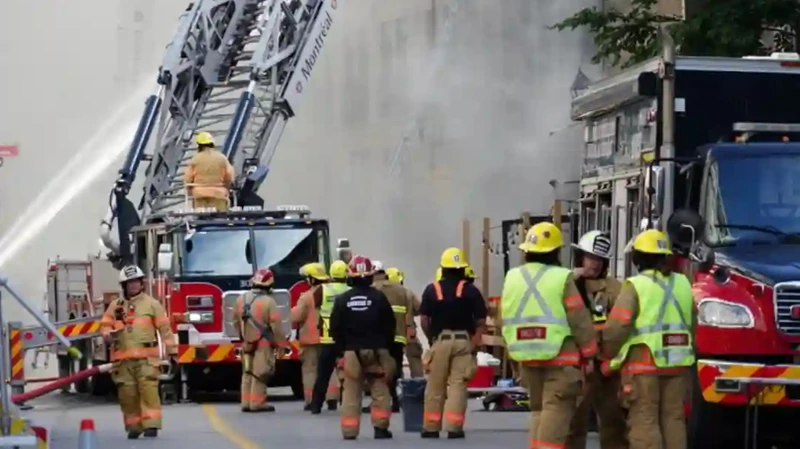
<point x="329" y="293"/>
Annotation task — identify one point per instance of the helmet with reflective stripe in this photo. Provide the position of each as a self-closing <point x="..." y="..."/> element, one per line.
<point x="338" y="270"/>
<point x="395" y="275"/>
<point x="263" y="278"/>
<point x="652" y="241"/>
<point x="130" y="273"/>
<point x="595" y="242"/>
<point x="314" y="270"/>
<point x="543" y="237"/>
<point x="204" y="138"/>
<point x="453" y="258"/>
<point x="360" y="267"/>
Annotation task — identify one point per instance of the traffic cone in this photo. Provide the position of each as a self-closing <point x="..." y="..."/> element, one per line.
<point x="87" y="439"/>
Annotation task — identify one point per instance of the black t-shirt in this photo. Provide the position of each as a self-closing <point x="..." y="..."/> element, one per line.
<point x="362" y="318"/>
<point x="452" y="313"/>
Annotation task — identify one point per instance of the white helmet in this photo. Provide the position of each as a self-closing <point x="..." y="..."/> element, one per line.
<point x="377" y="266"/>
<point x="130" y="273"/>
<point x="595" y="242"/>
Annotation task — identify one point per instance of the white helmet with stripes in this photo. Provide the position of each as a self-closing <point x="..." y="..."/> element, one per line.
<point x="130" y="273"/>
<point x="595" y="242"/>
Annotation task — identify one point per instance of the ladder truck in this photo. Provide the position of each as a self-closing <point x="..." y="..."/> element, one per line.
<point x="237" y="69"/>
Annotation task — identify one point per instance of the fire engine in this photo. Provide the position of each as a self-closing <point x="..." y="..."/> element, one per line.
<point x="703" y="149"/>
<point x="237" y="69"/>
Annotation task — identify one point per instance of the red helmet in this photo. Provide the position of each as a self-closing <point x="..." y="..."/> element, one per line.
<point x="263" y="278"/>
<point x="360" y="267"/>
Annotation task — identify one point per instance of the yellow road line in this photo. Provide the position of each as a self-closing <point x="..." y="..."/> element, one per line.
<point x="222" y="427"/>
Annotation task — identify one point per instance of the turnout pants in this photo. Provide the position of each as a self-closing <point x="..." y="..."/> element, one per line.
<point x="310" y="365"/>
<point x="217" y="203"/>
<point x="137" y="390"/>
<point x="554" y="392"/>
<point x="451" y="368"/>
<point x="376" y="366"/>
<point x="414" y="356"/>
<point x="655" y="410"/>
<point x="257" y="366"/>
<point x="601" y="396"/>
<point x="326" y="382"/>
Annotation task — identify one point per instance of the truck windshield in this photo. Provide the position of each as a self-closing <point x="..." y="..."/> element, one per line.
<point x="217" y="252"/>
<point x="285" y="250"/>
<point x="754" y="199"/>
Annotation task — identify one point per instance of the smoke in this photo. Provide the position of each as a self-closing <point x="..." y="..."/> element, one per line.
<point x="489" y="109"/>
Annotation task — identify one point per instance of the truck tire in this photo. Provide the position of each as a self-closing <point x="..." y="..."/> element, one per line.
<point x="705" y="426"/>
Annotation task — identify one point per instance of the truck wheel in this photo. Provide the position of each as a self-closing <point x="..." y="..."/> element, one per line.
<point x="705" y="426"/>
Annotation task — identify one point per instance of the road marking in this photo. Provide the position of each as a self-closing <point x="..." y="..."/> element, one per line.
<point x="219" y="424"/>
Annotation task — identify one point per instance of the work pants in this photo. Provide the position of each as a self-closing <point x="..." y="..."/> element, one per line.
<point x="326" y="382"/>
<point x="309" y="358"/>
<point x="553" y="392"/>
<point x="137" y="390"/>
<point x="218" y="203"/>
<point x="451" y="368"/>
<point x="257" y="366"/>
<point x="656" y="417"/>
<point x="601" y="396"/>
<point x="376" y="366"/>
<point x="414" y="356"/>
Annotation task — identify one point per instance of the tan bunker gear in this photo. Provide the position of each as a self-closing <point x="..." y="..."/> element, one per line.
<point x="209" y="175"/>
<point x="375" y="367"/>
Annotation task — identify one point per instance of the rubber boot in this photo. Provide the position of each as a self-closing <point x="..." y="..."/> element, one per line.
<point x="333" y="405"/>
<point x="315" y="409"/>
<point x="456" y="435"/>
<point x="307" y="407"/>
<point x="382" y="434"/>
<point x="134" y="434"/>
<point x="246" y="410"/>
<point x="350" y="438"/>
<point x="151" y="433"/>
<point x="429" y="434"/>
<point x="264" y="408"/>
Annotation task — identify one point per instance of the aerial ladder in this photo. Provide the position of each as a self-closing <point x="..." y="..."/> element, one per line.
<point x="234" y="68"/>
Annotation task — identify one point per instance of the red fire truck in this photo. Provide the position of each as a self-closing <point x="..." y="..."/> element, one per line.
<point x="712" y="139"/>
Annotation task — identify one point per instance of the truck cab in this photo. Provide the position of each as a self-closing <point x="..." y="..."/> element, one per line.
<point x="202" y="261"/>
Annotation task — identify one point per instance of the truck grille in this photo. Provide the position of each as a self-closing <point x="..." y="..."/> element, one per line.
<point x="229" y="306"/>
<point x="787" y="295"/>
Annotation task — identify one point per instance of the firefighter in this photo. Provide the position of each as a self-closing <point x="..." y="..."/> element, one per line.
<point x="548" y="331"/>
<point x="209" y="175"/>
<point x="452" y="313"/>
<point x="306" y="315"/>
<point x="648" y="339"/>
<point x="599" y="291"/>
<point x="326" y="384"/>
<point x="258" y="321"/>
<point x="413" y="347"/>
<point x="469" y="275"/>
<point x="363" y="326"/>
<point x="403" y="307"/>
<point x="132" y="326"/>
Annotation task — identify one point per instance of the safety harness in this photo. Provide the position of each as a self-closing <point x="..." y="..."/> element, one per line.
<point x="265" y="331"/>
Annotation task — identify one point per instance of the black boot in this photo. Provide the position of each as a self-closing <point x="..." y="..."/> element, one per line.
<point x="455" y="435"/>
<point x="134" y="434"/>
<point x="307" y="407"/>
<point x="382" y="434"/>
<point x="350" y="437"/>
<point x="429" y="434"/>
<point x="263" y="408"/>
<point x="150" y="433"/>
<point x="365" y="409"/>
<point x="315" y="409"/>
<point x="333" y="405"/>
<point x="396" y="407"/>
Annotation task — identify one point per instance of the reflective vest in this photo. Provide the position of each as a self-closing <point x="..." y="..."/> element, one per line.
<point x="533" y="313"/>
<point x="664" y="322"/>
<point x="329" y="294"/>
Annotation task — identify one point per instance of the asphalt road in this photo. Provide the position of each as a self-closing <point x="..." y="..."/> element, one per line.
<point x="221" y="425"/>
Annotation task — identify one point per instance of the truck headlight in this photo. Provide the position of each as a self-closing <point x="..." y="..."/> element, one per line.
<point x="716" y="312"/>
<point x="199" y="317"/>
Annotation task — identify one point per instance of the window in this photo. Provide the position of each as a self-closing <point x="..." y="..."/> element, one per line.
<point x="217" y="252"/>
<point x="285" y="250"/>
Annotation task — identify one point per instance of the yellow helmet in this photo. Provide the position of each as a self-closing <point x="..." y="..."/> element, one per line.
<point x="338" y="270"/>
<point x="469" y="273"/>
<point x="652" y="241"/>
<point x="314" y="270"/>
<point x="438" y="274"/>
<point x="395" y="275"/>
<point x="204" y="138"/>
<point x="542" y="237"/>
<point x="453" y="258"/>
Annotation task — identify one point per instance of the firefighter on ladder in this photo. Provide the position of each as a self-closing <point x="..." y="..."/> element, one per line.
<point x="306" y="315"/>
<point x="413" y="347"/>
<point x="648" y="339"/>
<point x="258" y="321"/>
<point x="130" y="325"/>
<point x="452" y="315"/>
<point x="548" y="331"/>
<point x="600" y="395"/>
<point x="209" y="175"/>
<point x="363" y="326"/>
<point x="326" y="384"/>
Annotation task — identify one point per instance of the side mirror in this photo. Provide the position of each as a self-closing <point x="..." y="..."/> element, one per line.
<point x="685" y="227"/>
<point x="654" y="180"/>
<point x="164" y="258"/>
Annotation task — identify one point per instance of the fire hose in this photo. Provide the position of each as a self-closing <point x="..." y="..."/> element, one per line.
<point x="60" y="383"/>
